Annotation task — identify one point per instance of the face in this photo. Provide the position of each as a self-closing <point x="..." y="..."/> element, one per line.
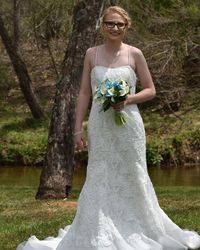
<point x="114" y="26"/>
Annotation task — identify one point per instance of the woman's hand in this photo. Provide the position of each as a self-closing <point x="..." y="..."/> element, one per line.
<point x="79" y="141"/>
<point x="120" y="105"/>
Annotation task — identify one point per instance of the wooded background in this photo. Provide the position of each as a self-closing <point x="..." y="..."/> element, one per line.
<point x="42" y="50"/>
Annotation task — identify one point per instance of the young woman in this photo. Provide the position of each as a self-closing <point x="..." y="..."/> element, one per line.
<point x="117" y="207"/>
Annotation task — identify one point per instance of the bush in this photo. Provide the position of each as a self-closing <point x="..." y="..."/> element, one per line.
<point x="153" y="153"/>
<point x="22" y="150"/>
<point x="23" y="141"/>
<point x="194" y="13"/>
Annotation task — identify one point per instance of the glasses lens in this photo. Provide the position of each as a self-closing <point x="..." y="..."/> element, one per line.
<point x="111" y="25"/>
<point x="121" y="25"/>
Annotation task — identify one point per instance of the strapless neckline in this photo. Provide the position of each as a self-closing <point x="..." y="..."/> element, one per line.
<point x="110" y="68"/>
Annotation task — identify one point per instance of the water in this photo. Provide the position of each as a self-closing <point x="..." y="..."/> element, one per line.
<point x="165" y="176"/>
<point x="175" y="176"/>
<point x="30" y="176"/>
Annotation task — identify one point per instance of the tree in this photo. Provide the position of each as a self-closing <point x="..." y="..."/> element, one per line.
<point x="16" y="23"/>
<point x="57" y="173"/>
<point x="21" y="72"/>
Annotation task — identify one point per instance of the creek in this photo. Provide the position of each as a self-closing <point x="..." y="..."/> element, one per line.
<point x="160" y="176"/>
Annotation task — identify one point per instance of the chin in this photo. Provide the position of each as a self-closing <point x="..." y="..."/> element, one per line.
<point x="115" y="38"/>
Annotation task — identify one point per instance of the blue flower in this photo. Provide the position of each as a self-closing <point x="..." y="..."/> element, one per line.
<point x="108" y="83"/>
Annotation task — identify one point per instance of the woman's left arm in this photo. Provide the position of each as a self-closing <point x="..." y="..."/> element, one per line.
<point x="148" y="89"/>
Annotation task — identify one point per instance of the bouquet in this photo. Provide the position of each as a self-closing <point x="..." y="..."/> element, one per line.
<point x="108" y="92"/>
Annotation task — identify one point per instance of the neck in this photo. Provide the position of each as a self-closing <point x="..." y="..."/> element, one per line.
<point x="113" y="46"/>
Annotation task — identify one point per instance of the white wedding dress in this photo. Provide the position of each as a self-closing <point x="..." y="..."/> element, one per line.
<point x="117" y="207"/>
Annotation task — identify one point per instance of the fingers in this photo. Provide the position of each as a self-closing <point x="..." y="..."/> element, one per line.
<point x="118" y="106"/>
<point x="80" y="144"/>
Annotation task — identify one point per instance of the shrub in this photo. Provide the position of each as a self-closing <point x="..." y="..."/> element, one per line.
<point x="153" y="153"/>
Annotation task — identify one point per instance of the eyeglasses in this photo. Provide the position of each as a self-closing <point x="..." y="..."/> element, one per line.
<point x="111" y="25"/>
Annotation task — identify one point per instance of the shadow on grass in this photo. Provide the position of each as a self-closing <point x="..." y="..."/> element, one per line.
<point x="20" y="125"/>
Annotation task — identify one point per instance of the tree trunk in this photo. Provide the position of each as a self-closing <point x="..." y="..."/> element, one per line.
<point x="21" y="72"/>
<point x="57" y="173"/>
<point x="16" y="23"/>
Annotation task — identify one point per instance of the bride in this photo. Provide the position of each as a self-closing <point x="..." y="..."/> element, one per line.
<point x="117" y="207"/>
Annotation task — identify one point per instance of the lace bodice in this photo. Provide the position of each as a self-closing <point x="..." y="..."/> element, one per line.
<point x="125" y="72"/>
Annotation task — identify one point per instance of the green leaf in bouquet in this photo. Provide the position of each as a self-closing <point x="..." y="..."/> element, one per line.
<point x="120" y="119"/>
<point x="123" y="119"/>
<point x="117" y="119"/>
<point x="106" y="105"/>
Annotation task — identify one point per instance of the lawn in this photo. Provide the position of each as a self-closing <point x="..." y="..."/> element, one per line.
<point x="21" y="215"/>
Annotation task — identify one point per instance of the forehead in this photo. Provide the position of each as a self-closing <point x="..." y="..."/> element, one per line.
<point x="114" y="17"/>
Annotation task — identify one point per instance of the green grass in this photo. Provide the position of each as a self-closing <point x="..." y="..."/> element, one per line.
<point x="182" y="205"/>
<point x="23" y="139"/>
<point x="21" y="215"/>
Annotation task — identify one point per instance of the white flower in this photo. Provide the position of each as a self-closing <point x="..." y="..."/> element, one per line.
<point x="103" y="88"/>
<point x="111" y="91"/>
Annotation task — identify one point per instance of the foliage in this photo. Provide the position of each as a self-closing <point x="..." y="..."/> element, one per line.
<point x="154" y="156"/>
<point x="49" y="18"/>
<point x="24" y="141"/>
<point x="195" y="138"/>
<point x="165" y="30"/>
<point x="193" y="12"/>
<point x="172" y="140"/>
<point x="163" y="3"/>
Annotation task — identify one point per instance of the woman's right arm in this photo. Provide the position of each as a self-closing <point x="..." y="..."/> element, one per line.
<point x="83" y="99"/>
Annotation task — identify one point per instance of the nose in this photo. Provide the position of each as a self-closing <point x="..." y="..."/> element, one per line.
<point x="116" y="27"/>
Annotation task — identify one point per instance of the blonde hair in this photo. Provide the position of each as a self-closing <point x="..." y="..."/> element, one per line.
<point x="118" y="10"/>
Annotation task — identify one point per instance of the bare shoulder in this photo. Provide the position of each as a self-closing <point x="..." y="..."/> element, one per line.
<point x="136" y="53"/>
<point x="139" y="59"/>
<point x="90" y="51"/>
<point x="91" y="54"/>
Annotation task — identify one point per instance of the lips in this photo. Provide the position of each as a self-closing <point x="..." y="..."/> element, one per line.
<point x="115" y="34"/>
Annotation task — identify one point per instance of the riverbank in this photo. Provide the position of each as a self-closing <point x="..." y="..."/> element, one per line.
<point x="170" y="140"/>
<point x="21" y="215"/>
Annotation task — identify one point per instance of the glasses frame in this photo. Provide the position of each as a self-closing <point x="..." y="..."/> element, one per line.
<point x="113" y="24"/>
